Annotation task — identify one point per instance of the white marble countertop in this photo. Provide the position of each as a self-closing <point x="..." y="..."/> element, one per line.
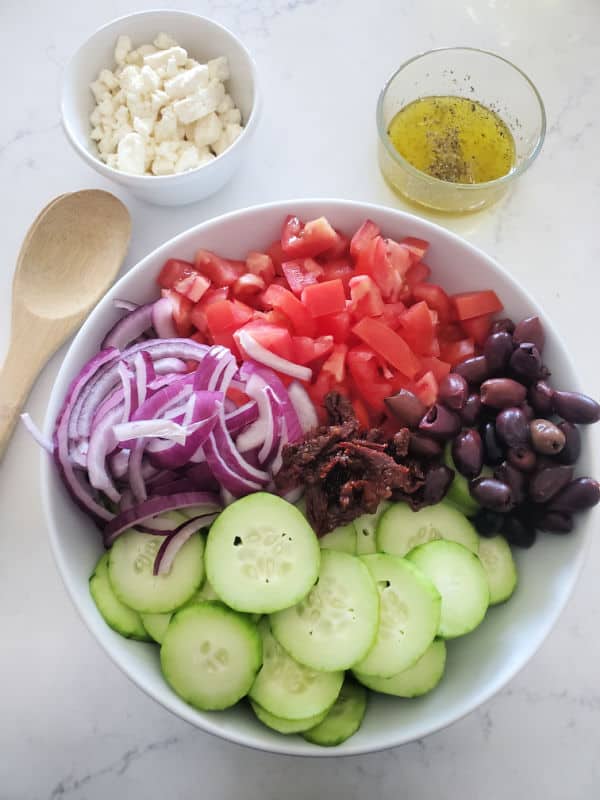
<point x="72" y="725"/>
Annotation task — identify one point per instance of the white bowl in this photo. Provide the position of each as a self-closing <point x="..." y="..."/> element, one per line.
<point x="478" y="664"/>
<point x="203" y="39"/>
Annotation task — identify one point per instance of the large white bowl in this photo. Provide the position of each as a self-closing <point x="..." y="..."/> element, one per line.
<point x="478" y="664"/>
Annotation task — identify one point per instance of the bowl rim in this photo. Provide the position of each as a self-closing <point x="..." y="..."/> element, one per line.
<point x="204" y="723"/>
<point x="424" y="176"/>
<point x="151" y="180"/>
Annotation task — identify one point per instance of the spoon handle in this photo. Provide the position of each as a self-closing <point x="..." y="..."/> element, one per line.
<point x="16" y="379"/>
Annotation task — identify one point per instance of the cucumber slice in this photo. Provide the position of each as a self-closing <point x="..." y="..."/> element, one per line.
<point x="460" y="578"/>
<point x="336" y="624"/>
<point x="286" y="726"/>
<point x="261" y="554"/>
<point x="210" y="655"/>
<point x="400" y="528"/>
<point x="422" y="677"/>
<point x="366" y="526"/>
<point x="458" y="493"/>
<point x="496" y="556"/>
<point x="157" y="624"/>
<point x="207" y="592"/>
<point x="342" y="539"/>
<point x="119" y="617"/>
<point x="344" y="718"/>
<point x="289" y="690"/>
<point x="409" y="616"/>
<point x="130" y="571"/>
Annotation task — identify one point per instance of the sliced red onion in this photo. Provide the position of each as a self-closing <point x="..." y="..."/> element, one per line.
<point x="163" y="476"/>
<point x="167" y="366"/>
<point x="242" y="416"/>
<point x="202" y="477"/>
<point x="227" y="497"/>
<point x="137" y="483"/>
<point x="36" y="433"/>
<point x="118" y="464"/>
<point x="129" y="327"/>
<point x="231" y="455"/>
<point x="129" y="391"/>
<point x="227" y="477"/>
<point x="225" y="378"/>
<point x="78" y="453"/>
<point x="294" y="430"/>
<point x="211" y="367"/>
<point x="278" y="460"/>
<point x="162" y="318"/>
<point x="173" y="544"/>
<point x="144" y="374"/>
<point x="269" y="359"/>
<point x="303" y="406"/>
<point x="163" y="428"/>
<point x="173" y="487"/>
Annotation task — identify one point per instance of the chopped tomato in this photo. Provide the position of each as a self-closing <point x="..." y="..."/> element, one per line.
<point x="427" y="389"/>
<point x="304" y="241"/>
<point x="201" y="339"/>
<point x="261" y="265"/>
<point x="322" y="385"/>
<point x="276" y="255"/>
<point x="373" y="260"/>
<point x="182" y="312"/>
<point x="336" y="363"/>
<point x="475" y="304"/>
<point x="221" y="271"/>
<point x="450" y="332"/>
<point x="436" y="298"/>
<point x="283" y="300"/>
<point x="365" y="297"/>
<point x="226" y="315"/>
<point x="418" y="273"/>
<point x="436" y="366"/>
<point x="416" y="247"/>
<point x="368" y="383"/>
<point x="192" y="286"/>
<point x="226" y="339"/>
<point x="477" y="328"/>
<point x="301" y="272"/>
<point x="336" y="325"/>
<point x="392" y="313"/>
<point x="275" y="317"/>
<point x="324" y="298"/>
<point x="399" y="256"/>
<point x="416" y="328"/>
<point x="237" y="396"/>
<point x="248" y="286"/>
<point x="388" y="344"/>
<point x="272" y="337"/>
<point x="362" y="415"/>
<point x="174" y="270"/>
<point x="367" y="231"/>
<point x="338" y="268"/>
<point x="455" y="352"/>
<point x="305" y="349"/>
<point x="340" y="249"/>
<point x="198" y="317"/>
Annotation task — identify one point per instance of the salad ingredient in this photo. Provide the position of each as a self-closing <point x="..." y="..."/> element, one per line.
<point x="210" y="655"/>
<point x="529" y="330"/>
<point x="261" y="554"/>
<point x="492" y="493"/>
<point x="546" y="437"/>
<point x="406" y="407"/>
<point x="400" y="529"/>
<point x="474" y="370"/>
<point x="285" y="726"/>
<point x="117" y="615"/>
<point x="342" y="539"/>
<point x="526" y="363"/>
<point x="460" y="579"/>
<point x="467" y="452"/>
<point x="365" y="527"/>
<point x="161" y="112"/>
<point x="453" y="391"/>
<point x="335" y="624"/>
<point x="546" y="483"/>
<point x="572" y="448"/>
<point x="502" y="393"/>
<point x="420" y="678"/>
<point x="496" y="558"/>
<point x="497" y="349"/>
<point x="440" y="423"/>
<point x="580" y="494"/>
<point x="512" y="426"/>
<point x="575" y="407"/>
<point x="522" y="458"/>
<point x="343" y="719"/>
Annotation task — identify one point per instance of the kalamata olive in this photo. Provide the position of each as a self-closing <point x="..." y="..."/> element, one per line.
<point x="406" y="408"/>
<point x="528" y="411"/>
<point x="546" y="483"/>
<point x="488" y="523"/>
<point x="440" y="423"/>
<point x="503" y="325"/>
<point x="492" y="493"/>
<point x="546" y="437"/>
<point x="497" y="349"/>
<point x="474" y="370"/>
<point x="556" y="522"/>
<point x="437" y="483"/>
<point x="514" y="479"/>
<point x="453" y="391"/>
<point x="525" y="363"/>
<point x="512" y="427"/>
<point x="469" y="413"/>
<point x="576" y="407"/>
<point x="467" y="453"/>
<point x="572" y="449"/>
<point x="494" y="453"/>
<point x="530" y="330"/>
<point x="521" y="458"/>
<point x="423" y="446"/>
<point x="502" y="392"/>
<point x="519" y="531"/>
<point x="578" y="495"/>
<point x="540" y="396"/>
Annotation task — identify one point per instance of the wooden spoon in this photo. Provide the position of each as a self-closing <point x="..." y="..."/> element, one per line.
<point x="70" y="257"/>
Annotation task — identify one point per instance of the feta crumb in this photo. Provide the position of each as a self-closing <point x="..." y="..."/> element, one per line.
<point x="205" y="156"/>
<point x="146" y="50"/>
<point x="227" y="138"/>
<point x="219" y="68"/>
<point x="122" y="48"/>
<point x="207" y="130"/>
<point x="134" y="58"/>
<point x="200" y="104"/>
<point x="188" y="158"/>
<point x="233" y="116"/>
<point x="131" y="154"/>
<point x="161" y="57"/>
<point x="99" y="90"/>
<point x="163" y="41"/>
<point x="150" y="80"/>
<point x="143" y="125"/>
<point x="226" y="104"/>
<point x="187" y="82"/>
<point x="108" y="79"/>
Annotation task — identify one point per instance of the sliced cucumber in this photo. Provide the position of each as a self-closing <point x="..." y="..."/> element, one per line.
<point x="130" y="568"/>
<point x="336" y="624"/>
<point x="400" y="528"/>
<point x="207" y="592"/>
<point x="286" y="726"/>
<point x="210" y="655"/>
<point x="342" y="539"/>
<point x="496" y="556"/>
<point x="366" y="526"/>
<point x="287" y="689"/>
<point x="409" y="617"/>
<point x="261" y="554"/>
<point x="119" y="617"/>
<point x="344" y="718"/>
<point x="157" y="624"/>
<point x="460" y="578"/>
<point x="422" y="677"/>
<point x="458" y="494"/>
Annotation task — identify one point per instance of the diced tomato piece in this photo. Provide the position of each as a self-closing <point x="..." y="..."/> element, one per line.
<point x="275" y="317"/>
<point x="336" y="325"/>
<point x="418" y="273"/>
<point x="368" y="384"/>
<point x="337" y="268"/>
<point x="416" y="328"/>
<point x="300" y="240"/>
<point x="237" y="396"/>
<point x="322" y="385"/>
<point x="248" y="287"/>
<point x="277" y="256"/>
<point x="450" y="332"/>
<point x="365" y="297"/>
<point x="198" y="317"/>
<point x="221" y="271"/>
<point x="367" y="231"/>
<point x="305" y="349"/>
<point x="192" y="286"/>
<point x="362" y="415"/>
<point x="261" y="265"/>
<point x="435" y="365"/>
<point x="301" y="272"/>
<point x="388" y="344"/>
<point x="399" y="256"/>
<point x="427" y="389"/>
<point x="477" y="328"/>
<point x="324" y="298"/>
<point x="277" y="297"/>
<point x="392" y="313"/>
<point x="417" y="247"/>
<point x="455" y="352"/>
<point x="400" y="381"/>
<point x="336" y="363"/>
<point x="226" y="316"/>
<point x="174" y="270"/>
<point x="272" y="337"/>
<point x="340" y="249"/>
<point x="226" y="339"/>
<point x="373" y="260"/>
<point x="200" y="338"/>
<point x="435" y="297"/>
<point x="182" y="312"/>
<point x="475" y="304"/>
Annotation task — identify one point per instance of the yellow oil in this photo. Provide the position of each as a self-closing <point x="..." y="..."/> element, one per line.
<point x="454" y="139"/>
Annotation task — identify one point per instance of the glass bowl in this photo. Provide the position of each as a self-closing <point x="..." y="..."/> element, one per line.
<point x="460" y="72"/>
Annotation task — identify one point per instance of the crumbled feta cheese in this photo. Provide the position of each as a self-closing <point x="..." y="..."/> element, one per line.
<point x="122" y="49"/>
<point x="198" y="105"/>
<point x="161" y="57"/>
<point x="146" y="50"/>
<point x="99" y="90"/>
<point x="150" y="80"/>
<point x="108" y="79"/>
<point x="219" y="68"/>
<point x="233" y="116"/>
<point x="188" y="158"/>
<point x="163" y="41"/>
<point x="143" y="125"/>
<point x="205" y="156"/>
<point x="187" y="82"/>
<point x="166" y="128"/>
<point x="131" y="154"/>
<point x="226" y="104"/>
<point x="207" y="130"/>
<point x="227" y="138"/>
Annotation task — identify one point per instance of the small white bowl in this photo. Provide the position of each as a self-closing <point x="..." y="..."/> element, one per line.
<point x="479" y="664"/>
<point x="203" y="39"/>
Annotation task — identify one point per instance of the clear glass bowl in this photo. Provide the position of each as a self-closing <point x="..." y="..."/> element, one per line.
<point x="463" y="72"/>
